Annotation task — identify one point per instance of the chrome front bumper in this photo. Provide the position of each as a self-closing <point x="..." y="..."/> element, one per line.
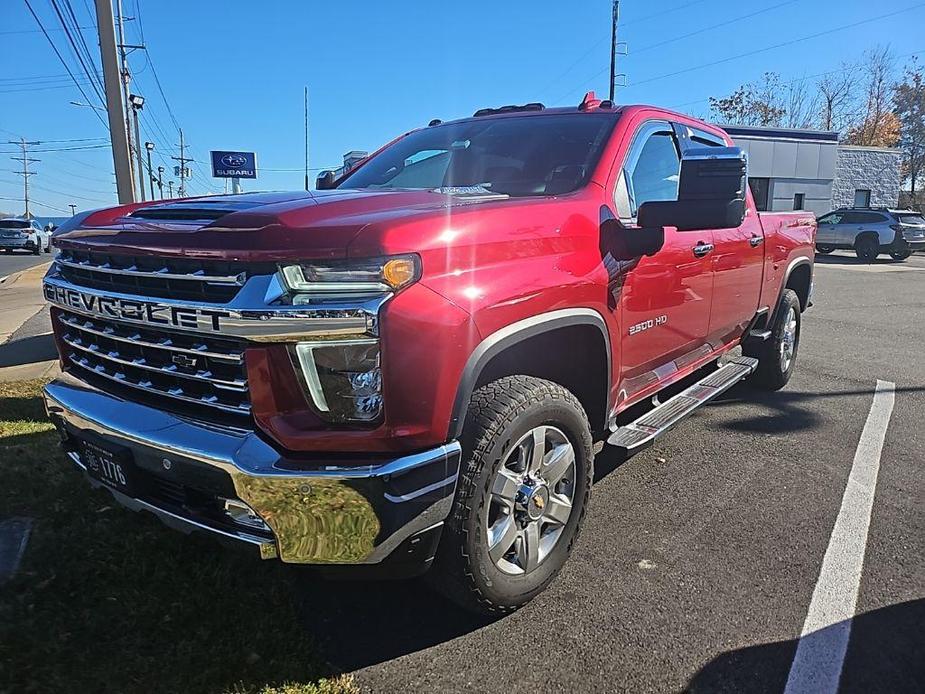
<point x="318" y="511"/>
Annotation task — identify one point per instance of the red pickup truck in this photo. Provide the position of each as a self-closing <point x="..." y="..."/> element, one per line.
<point x="411" y="367"/>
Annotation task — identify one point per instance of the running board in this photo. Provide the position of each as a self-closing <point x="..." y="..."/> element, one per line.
<point x="638" y="435"/>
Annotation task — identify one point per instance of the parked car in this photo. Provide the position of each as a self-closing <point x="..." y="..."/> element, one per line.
<point x="408" y="369"/>
<point x="23" y="234"/>
<point x="871" y="231"/>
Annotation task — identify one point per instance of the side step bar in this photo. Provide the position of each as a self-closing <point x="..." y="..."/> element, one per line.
<point x="638" y="435"/>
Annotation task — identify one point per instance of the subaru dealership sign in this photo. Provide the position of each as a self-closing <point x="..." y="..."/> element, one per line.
<point x="234" y="164"/>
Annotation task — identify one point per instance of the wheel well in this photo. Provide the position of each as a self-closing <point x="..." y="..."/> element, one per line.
<point x="867" y="234"/>
<point x="575" y="357"/>
<point x="799" y="281"/>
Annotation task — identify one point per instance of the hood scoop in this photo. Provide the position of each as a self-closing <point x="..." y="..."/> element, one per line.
<point x="181" y="214"/>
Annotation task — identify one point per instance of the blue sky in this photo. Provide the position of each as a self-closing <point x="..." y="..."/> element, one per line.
<point x="233" y="71"/>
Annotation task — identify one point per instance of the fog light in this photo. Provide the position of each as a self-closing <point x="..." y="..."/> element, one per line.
<point x="343" y="378"/>
<point x="242" y="514"/>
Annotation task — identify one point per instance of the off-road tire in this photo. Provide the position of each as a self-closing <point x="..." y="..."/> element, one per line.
<point x="824" y="250"/>
<point x="499" y="414"/>
<point x="771" y="374"/>
<point x="867" y="248"/>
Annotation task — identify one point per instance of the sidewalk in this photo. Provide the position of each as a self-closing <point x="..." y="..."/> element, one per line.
<point x="27" y="349"/>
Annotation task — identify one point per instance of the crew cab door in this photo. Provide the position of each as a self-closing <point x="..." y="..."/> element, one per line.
<point x="737" y="257"/>
<point x="664" y="300"/>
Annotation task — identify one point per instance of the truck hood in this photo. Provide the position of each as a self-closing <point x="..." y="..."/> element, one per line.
<point x="257" y="226"/>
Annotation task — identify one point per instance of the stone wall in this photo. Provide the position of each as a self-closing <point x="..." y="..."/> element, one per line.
<point x="867" y="168"/>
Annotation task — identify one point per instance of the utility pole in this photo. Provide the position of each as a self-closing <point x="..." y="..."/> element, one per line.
<point x="121" y="156"/>
<point x="306" y="138"/>
<point x="73" y="208"/>
<point x="613" y="48"/>
<point x="148" y="147"/>
<point x="181" y="191"/>
<point x="126" y="78"/>
<point x="25" y="173"/>
<point x="160" y="181"/>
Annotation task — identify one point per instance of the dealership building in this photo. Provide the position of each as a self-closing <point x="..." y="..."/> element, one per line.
<point x="792" y="169"/>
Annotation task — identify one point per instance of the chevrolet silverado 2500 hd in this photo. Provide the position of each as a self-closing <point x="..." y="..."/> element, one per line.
<point x="407" y="369"/>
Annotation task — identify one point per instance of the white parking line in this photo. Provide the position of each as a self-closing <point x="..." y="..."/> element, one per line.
<point x="823" y="643"/>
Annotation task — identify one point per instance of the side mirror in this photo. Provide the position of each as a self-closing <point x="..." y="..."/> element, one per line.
<point x="711" y="192"/>
<point x="625" y="243"/>
<point x="325" y="180"/>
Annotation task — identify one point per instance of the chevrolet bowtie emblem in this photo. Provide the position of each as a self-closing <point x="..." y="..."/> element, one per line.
<point x="183" y="360"/>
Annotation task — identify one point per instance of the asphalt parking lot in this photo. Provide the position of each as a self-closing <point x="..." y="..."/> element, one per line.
<point x="697" y="565"/>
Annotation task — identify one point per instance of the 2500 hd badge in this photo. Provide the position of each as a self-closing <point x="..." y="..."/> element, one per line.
<point x="138" y="311"/>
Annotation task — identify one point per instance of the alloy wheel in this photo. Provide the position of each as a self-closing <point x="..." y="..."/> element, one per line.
<point x="530" y="500"/>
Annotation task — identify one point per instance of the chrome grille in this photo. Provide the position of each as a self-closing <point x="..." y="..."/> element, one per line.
<point x="175" y="278"/>
<point x="196" y="370"/>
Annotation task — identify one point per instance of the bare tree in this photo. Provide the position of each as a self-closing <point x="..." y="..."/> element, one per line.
<point x="877" y="125"/>
<point x="836" y="96"/>
<point x="755" y="103"/>
<point x="802" y="105"/>
<point x="909" y="101"/>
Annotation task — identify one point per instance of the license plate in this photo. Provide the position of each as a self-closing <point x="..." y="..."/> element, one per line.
<point x="111" y="465"/>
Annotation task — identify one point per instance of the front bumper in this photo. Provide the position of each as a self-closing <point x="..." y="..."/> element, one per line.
<point x="327" y="511"/>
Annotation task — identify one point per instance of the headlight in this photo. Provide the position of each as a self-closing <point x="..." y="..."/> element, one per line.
<point x="343" y="378"/>
<point x="366" y="276"/>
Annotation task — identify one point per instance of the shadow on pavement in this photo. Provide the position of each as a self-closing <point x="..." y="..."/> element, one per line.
<point x="357" y="623"/>
<point x="854" y="260"/>
<point x="28" y="350"/>
<point x="886" y="653"/>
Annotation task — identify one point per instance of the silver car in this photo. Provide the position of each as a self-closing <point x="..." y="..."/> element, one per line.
<point x="24" y="234"/>
<point x="870" y="231"/>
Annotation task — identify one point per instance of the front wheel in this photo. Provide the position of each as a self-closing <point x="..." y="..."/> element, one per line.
<point x="778" y="354"/>
<point x="524" y="484"/>
<point x="900" y="255"/>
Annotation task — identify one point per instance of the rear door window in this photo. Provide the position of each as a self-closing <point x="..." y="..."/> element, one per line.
<point x="833" y="218"/>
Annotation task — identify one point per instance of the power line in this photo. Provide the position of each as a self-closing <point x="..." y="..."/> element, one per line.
<point x="76" y="49"/>
<point x="25" y="173"/>
<point x="36" y="202"/>
<point x="777" y="45"/>
<point x="63" y="62"/>
<point x="659" y="44"/>
<point x="749" y="53"/>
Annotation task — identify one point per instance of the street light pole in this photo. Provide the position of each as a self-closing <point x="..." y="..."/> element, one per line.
<point x="73" y="208"/>
<point x="160" y="181"/>
<point x="138" y="103"/>
<point x="149" y="146"/>
<point x="170" y="186"/>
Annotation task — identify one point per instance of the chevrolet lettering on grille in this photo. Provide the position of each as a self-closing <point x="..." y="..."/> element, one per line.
<point x="137" y="311"/>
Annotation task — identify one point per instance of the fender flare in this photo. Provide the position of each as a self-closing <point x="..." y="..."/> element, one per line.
<point x="511" y="335"/>
<point x="794" y="264"/>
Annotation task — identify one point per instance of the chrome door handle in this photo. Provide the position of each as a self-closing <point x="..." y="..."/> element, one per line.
<point x="755" y="241"/>
<point x="701" y="249"/>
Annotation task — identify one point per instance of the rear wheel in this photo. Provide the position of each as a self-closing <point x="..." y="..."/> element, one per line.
<point x="867" y="248"/>
<point x="37" y="250"/>
<point x="900" y="255"/>
<point x="824" y="250"/>
<point x="524" y="484"/>
<point x="778" y="354"/>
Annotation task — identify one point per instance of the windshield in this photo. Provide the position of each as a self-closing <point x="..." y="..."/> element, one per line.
<point x="913" y="219"/>
<point x="14" y="224"/>
<point x="530" y="155"/>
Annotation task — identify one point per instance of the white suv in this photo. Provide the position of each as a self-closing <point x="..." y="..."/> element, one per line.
<point x="24" y="234"/>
